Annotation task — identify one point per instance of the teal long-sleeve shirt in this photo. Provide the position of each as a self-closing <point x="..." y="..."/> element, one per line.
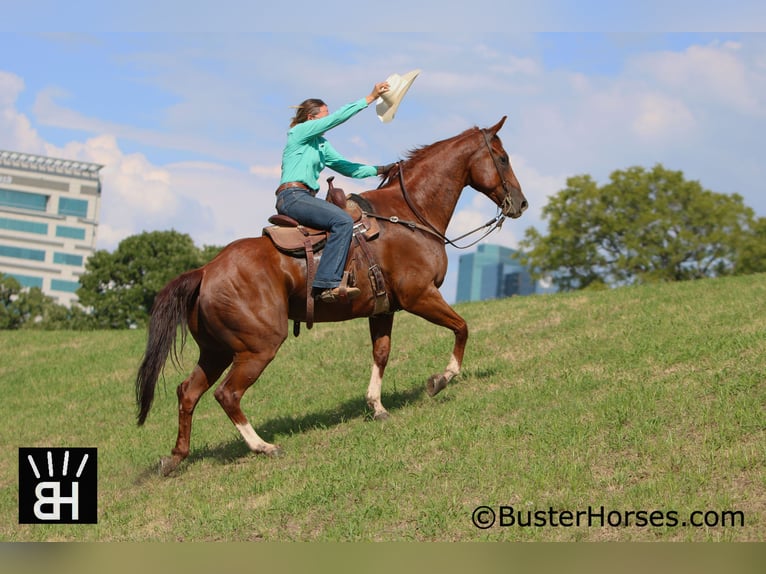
<point x="307" y="152"/>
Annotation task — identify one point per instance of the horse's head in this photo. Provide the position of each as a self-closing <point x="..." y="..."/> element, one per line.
<point x="491" y="173"/>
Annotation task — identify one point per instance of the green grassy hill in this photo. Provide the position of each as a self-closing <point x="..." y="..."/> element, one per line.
<point x="634" y="411"/>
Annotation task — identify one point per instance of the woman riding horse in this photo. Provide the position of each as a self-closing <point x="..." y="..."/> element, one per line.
<point x="306" y="153"/>
<point x="237" y="307"/>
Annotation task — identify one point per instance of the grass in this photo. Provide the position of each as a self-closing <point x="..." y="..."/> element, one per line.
<point x="638" y="399"/>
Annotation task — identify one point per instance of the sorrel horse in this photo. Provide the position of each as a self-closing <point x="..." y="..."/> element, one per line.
<point x="237" y="306"/>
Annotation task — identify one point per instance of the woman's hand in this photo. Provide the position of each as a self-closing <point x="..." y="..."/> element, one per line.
<point x="379" y="89"/>
<point x="384" y="169"/>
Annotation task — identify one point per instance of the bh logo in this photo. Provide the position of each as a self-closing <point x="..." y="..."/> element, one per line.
<point x="58" y="485"/>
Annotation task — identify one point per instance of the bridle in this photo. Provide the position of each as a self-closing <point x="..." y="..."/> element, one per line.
<point x="507" y="199"/>
<point x="493" y="224"/>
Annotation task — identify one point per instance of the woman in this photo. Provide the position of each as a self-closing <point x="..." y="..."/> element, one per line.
<point x="306" y="153"/>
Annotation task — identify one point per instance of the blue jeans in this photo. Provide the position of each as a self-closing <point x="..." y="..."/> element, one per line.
<point x="320" y="214"/>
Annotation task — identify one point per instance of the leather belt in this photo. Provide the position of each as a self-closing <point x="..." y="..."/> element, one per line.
<point x="290" y="184"/>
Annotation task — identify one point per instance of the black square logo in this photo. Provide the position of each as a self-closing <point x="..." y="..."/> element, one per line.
<point x="58" y="486"/>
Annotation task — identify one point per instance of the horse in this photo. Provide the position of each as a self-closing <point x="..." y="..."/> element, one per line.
<point x="237" y="306"/>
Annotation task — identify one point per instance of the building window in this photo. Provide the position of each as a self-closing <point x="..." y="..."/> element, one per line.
<point x="76" y="207"/>
<point x="23" y="200"/>
<point x="62" y="285"/>
<point x="67" y="259"/>
<point x="70" y="232"/>
<point x="28" y="280"/>
<point x="22" y="253"/>
<point x="23" y="226"/>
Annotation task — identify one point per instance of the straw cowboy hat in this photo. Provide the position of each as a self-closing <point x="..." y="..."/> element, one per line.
<point x="390" y="100"/>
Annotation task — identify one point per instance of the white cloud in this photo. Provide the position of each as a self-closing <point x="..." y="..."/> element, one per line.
<point x="659" y="116"/>
<point x="11" y="86"/>
<point x="50" y="113"/>
<point x="220" y="204"/>
<point x="16" y="131"/>
<point x="135" y="193"/>
<point x="716" y="73"/>
<point x="130" y="180"/>
<point x="268" y="171"/>
<point x="513" y="65"/>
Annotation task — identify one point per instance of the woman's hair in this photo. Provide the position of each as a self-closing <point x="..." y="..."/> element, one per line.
<point x="309" y="107"/>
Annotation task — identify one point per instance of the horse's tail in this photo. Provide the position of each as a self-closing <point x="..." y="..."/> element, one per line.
<point x="170" y="310"/>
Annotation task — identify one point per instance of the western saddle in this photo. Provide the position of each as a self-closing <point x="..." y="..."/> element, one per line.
<point x="297" y="240"/>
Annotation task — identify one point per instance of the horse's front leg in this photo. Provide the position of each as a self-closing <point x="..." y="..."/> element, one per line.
<point x="431" y="306"/>
<point x="380" y="333"/>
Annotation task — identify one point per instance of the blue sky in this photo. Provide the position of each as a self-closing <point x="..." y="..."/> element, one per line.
<point x="188" y="107"/>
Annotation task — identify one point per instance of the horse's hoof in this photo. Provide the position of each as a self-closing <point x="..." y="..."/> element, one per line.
<point x="275" y="452"/>
<point x="381" y="416"/>
<point x="167" y="465"/>
<point x="435" y="384"/>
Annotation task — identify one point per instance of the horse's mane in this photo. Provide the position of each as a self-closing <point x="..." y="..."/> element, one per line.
<point x="417" y="153"/>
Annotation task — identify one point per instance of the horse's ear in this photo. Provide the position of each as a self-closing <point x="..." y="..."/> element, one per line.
<point x="496" y="128"/>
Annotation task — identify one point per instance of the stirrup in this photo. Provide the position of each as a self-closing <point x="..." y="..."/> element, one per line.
<point x="336" y="294"/>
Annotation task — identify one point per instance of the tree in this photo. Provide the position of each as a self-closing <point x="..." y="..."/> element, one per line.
<point x="751" y="257"/>
<point x="10" y="317"/>
<point x="43" y="313"/>
<point x="119" y="287"/>
<point x="641" y="226"/>
<point x="22" y="308"/>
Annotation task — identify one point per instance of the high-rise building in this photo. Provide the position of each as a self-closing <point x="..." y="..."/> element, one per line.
<point x="48" y="219"/>
<point x="492" y="272"/>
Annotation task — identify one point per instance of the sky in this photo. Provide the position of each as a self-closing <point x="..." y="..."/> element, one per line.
<point x="187" y="104"/>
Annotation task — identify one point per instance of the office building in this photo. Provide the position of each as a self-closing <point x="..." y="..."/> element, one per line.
<point x="48" y="218"/>
<point x="492" y="272"/>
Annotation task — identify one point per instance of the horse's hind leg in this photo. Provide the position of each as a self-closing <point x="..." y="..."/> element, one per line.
<point x="205" y="373"/>
<point x="246" y="369"/>
<point x="380" y="333"/>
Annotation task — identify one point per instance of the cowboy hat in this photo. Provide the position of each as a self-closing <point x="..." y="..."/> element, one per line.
<point x="390" y="100"/>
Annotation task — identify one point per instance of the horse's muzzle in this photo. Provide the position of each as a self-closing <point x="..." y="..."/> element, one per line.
<point x="512" y="206"/>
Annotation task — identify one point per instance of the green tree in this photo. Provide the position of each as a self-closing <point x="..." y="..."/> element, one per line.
<point x="752" y="253"/>
<point x="34" y="307"/>
<point x="10" y="317"/>
<point x="644" y="225"/>
<point x="119" y="287"/>
<point x="30" y="308"/>
<point x="43" y="313"/>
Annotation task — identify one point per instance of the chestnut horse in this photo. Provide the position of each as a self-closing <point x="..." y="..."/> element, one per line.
<point x="237" y="306"/>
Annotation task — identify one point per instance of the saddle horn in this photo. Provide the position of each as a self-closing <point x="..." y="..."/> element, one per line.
<point x="389" y="101"/>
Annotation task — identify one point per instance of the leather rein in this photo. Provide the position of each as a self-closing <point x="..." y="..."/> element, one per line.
<point x="493" y="224"/>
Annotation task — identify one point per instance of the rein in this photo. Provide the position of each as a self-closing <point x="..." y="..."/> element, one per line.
<point x="493" y="224"/>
